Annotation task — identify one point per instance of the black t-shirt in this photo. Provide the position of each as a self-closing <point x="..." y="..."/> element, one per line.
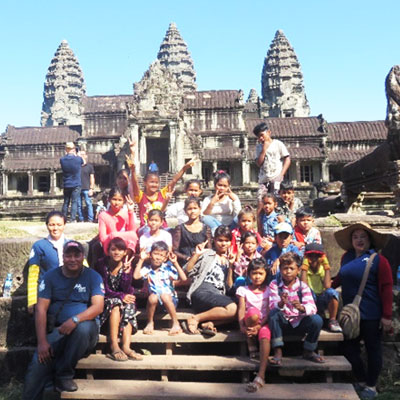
<point x="86" y="171"/>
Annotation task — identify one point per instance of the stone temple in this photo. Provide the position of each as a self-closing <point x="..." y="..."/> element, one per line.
<point x="172" y="122"/>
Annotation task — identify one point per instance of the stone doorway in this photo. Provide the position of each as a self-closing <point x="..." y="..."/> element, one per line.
<point x="158" y="150"/>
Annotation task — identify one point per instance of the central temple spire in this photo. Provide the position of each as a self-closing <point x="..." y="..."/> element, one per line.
<point x="282" y="81"/>
<point x="175" y="56"/>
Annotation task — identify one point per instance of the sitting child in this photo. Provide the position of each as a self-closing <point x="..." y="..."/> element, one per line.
<point x="247" y="251"/>
<point x="119" y="300"/>
<point x="155" y="233"/>
<point x="287" y="203"/>
<point x="293" y="311"/>
<point x="283" y="244"/>
<point x="268" y="219"/>
<point x="160" y="277"/>
<point x="252" y="315"/>
<point x="305" y="232"/>
<point x="315" y="272"/>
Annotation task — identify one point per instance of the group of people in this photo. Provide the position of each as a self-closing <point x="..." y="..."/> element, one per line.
<point x="264" y="268"/>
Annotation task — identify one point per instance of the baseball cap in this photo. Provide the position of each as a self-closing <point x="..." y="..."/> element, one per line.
<point x="283" y="227"/>
<point x="314" y="248"/>
<point x="73" y="245"/>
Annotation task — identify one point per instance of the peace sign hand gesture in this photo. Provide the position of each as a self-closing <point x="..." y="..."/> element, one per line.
<point x="128" y="264"/>
<point x="129" y="203"/>
<point x="200" y="248"/>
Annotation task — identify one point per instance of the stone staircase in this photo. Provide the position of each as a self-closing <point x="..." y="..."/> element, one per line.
<point x="196" y="367"/>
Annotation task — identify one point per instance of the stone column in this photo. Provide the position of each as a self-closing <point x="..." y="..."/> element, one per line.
<point x="53" y="182"/>
<point x="245" y="173"/>
<point x="215" y="166"/>
<point x="30" y="183"/>
<point x="142" y="150"/>
<point x="175" y="162"/>
<point x="4" y="184"/>
<point x="324" y="171"/>
<point x="298" y="174"/>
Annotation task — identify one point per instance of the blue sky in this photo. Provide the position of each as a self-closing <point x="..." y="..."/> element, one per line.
<point x="345" y="48"/>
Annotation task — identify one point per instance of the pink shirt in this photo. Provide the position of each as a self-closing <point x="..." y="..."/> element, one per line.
<point x="258" y="300"/>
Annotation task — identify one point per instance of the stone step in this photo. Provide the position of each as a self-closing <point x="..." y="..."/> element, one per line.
<point x="161" y="336"/>
<point x="208" y="363"/>
<point x="150" y="390"/>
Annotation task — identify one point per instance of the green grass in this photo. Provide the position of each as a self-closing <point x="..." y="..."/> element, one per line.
<point x="10" y="232"/>
<point x="11" y="391"/>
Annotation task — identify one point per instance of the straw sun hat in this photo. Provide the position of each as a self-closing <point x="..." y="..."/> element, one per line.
<point x="343" y="237"/>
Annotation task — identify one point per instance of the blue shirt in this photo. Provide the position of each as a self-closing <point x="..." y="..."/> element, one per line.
<point x="269" y="223"/>
<point x="71" y="166"/>
<point x="55" y="286"/>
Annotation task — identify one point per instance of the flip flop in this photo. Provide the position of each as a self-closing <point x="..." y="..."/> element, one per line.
<point x="134" y="356"/>
<point x="258" y="383"/>
<point x="315" y="358"/>
<point x="185" y="328"/>
<point x="207" y="332"/>
<point x="275" y="361"/>
<point x="112" y="356"/>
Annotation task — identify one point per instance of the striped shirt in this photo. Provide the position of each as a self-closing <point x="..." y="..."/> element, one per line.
<point x="293" y="315"/>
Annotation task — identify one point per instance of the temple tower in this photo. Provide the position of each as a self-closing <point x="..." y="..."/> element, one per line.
<point x="282" y="81"/>
<point x="64" y="89"/>
<point x="175" y="56"/>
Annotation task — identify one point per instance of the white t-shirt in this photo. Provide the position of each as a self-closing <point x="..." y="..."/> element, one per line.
<point x="273" y="161"/>
<point x="256" y="300"/>
<point x="223" y="211"/>
<point x="147" y="240"/>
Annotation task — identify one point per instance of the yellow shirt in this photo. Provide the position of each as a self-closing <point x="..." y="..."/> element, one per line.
<point x="315" y="280"/>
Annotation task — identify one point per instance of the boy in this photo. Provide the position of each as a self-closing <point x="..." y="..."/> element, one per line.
<point x="160" y="276"/>
<point x="293" y="311"/>
<point x="287" y="203"/>
<point x="282" y="245"/>
<point x="315" y="272"/>
<point x="305" y="232"/>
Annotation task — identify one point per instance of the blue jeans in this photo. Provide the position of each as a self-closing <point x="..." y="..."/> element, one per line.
<point x="310" y="325"/>
<point x="67" y="350"/>
<point x="322" y="300"/>
<point x="89" y="206"/>
<point x="213" y="223"/>
<point x="71" y="195"/>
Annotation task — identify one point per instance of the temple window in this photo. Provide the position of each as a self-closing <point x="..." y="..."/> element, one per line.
<point x="306" y="173"/>
<point x="43" y="183"/>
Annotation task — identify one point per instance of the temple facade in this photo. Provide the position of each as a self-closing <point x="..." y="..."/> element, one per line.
<point x="172" y="122"/>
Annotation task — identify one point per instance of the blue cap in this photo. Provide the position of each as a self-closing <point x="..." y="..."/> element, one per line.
<point x="283" y="227"/>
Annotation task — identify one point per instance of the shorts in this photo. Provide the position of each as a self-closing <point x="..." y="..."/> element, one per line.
<point x="267" y="187"/>
<point x="264" y="332"/>
<point x="207" y="296"/>
<point x="322" y="300"/>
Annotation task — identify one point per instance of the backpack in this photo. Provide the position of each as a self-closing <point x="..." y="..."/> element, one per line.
<point x="349" y="317"/>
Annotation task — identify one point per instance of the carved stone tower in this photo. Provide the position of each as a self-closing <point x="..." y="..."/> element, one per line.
<point x="175" y="56"/>
<point x="282" y="81"/>
<point x="63" y="89"/>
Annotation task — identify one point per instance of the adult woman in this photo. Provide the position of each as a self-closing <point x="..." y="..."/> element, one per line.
<point x="46" y="254"/>
<point x="360" y="241"/>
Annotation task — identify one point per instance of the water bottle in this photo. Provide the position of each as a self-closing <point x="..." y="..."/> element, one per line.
<point x="8" y="285"/>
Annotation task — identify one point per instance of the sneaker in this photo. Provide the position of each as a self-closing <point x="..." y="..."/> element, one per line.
<point x="368" y="393"/>
<point x="65" y="385"/>
<point x="334" y="326"/>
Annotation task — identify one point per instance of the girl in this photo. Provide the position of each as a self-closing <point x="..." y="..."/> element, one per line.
<point x="177" y="210"/>
<point x="223" y="207"/>
<point x="119" y="301"/>
<point x="117" y="221"/>
<point x="152" y="197"/>
<point x="247" y="251"/>
<point x="122" y="182"/>
<point x="188" y="235"/>
<point x="253" y="315"/>
<point x="211" y="274"/>
<point x="246" y="224"/>
<point x="155" y="233"/>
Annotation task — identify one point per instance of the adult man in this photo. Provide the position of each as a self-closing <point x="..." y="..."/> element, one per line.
<point x="71" y="165"/>
<point x="72" y="296"/>
<point x="87" y="180"/>
<point x="153" y="167"/>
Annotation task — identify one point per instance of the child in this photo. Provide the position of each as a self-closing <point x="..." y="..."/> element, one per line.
<point x="287" y="203"/>
<point x="119" y="299"/>
<point x="293" y="311"/>
<point x="282" y="245"/>
<point x="155" y="233"/>
<point x="122" y="182"/>
<point x="188" y="235"/>
<point x="246" y="221"/>
<point x="118" y="221"/>
<point x="177" y="210"/>
<point x="160" y="276"/>
<point x="152" y="198"/>
<point x="304" y="230"/>
<point x="253" y="315"/>
<point x="268" y="219"/>
<point x="247" y="251"/>
<point x="315" y="272"/>
<point x="211" y="274"/>
<point x="223" y="207"/>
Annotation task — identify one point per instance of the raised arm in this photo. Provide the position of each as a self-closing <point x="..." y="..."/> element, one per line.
<point x="130" y="160"/>
<point x="179" y="175"/>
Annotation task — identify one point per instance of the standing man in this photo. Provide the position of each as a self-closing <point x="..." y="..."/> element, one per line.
<point x="153" y="167"/>
<point x="87" y="180"/>
<point x="72" y="296"/>
<point x="71" y="165"/>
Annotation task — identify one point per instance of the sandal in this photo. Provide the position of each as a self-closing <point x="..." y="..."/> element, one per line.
<point x="134" y="356"/>
<point x="208" y="329"/>
<point x="275" y="361"/>
<point x="185" y="328"/>
<point x="314" y="357"/>
<point x="258" y="383"/>
<point x="113" y="356"/>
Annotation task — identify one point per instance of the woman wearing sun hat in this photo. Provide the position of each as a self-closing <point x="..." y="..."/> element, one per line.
<point x="360" y="241"/>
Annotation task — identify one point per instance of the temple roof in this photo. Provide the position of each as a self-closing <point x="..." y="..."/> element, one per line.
<point x="39" y="135"/>
<point x="223" y="153"/>
<point x="103" y="104"/>
<point x="213" y="99"/>
<point x="345" y="156"/>
<point x="356" y="131"/>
